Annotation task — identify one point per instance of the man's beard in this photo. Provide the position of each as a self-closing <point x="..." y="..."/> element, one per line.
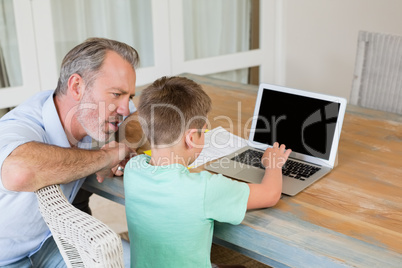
<point x="89" y="118"/>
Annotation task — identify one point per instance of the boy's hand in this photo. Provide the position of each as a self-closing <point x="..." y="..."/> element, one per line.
<point x="275" y="157"/>
<point x="268" y="192"/>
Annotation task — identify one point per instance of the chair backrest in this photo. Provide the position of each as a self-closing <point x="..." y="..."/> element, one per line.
<point x="82" y="240"/>
<point x="377" y="81"/>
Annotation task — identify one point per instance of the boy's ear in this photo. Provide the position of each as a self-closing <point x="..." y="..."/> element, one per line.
<point x="189" y="137"/>
<point x="76" y="86"/>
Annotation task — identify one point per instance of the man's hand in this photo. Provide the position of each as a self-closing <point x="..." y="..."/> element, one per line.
<point x="119" y="154"/>
<point x="119" y="169"/>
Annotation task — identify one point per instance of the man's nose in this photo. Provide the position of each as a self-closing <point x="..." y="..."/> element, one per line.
<point x="123" y="108"/>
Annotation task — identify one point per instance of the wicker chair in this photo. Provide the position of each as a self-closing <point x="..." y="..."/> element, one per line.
<point x="82" y="240"/>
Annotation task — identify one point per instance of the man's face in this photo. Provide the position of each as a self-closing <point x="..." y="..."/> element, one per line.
<point x="104" y="104"/>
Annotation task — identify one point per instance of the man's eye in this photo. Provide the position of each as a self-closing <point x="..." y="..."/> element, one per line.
<point x="116" y="94"/>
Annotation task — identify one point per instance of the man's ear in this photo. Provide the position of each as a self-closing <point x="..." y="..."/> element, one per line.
<point x="189" y="134"/>
<point x="76" y="86"/>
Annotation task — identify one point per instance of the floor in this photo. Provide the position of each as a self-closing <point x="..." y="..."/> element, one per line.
<point x="111" y="213"/>
<point x="114" y="215"/>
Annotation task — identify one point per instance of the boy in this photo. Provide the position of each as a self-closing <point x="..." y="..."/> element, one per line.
<point x="170" y="211"/>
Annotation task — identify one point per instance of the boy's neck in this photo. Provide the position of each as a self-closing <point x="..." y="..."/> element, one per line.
<point x="169" y="156"/>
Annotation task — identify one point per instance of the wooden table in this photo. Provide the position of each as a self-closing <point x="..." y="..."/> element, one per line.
<point x="350" y="218"/>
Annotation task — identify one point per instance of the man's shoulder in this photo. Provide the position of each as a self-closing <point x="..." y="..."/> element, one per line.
<point x="30" y="107"/>
<point x="26" y="120"/>
<point x="38" y="99"/>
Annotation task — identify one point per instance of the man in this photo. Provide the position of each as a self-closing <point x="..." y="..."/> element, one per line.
<point x="48" y="139"/>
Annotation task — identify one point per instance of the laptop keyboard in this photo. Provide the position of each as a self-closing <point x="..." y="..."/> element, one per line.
<point x="291" y="168"/>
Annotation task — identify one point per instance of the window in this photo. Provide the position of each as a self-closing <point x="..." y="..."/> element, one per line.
<point x="228" y="39"/>
<point x="18" y="65"/>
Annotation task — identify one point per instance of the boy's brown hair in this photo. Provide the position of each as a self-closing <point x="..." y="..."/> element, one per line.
<point x="170" y="106"/>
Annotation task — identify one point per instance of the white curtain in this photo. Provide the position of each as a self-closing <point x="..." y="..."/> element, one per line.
<point x="123" y="20"/>
<point x="214" y="28"/>
<point x="10" y="69"/>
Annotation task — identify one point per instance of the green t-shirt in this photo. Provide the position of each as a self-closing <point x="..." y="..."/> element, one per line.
<point x="171" y="212"/>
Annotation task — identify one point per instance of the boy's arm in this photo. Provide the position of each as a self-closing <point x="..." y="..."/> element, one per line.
<point x="268" y="192"/>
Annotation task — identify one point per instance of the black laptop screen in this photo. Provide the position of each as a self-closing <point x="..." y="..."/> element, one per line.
<point x="305" y="125"/>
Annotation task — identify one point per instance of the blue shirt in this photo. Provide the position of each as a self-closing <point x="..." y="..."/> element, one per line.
<point x="22" y="229"/>
<point x="171" y="212"/>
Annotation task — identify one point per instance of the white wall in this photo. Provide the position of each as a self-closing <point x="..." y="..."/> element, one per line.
<point x="320" y="39"/>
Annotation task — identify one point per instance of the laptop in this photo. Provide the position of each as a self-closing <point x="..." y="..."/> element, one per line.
<point x="308" y="123"/>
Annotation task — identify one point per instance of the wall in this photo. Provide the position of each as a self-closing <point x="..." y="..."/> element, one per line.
<point x="320" y="39"/>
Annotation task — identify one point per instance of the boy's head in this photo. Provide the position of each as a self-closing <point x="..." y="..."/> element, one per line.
<point x="170" y="106"/>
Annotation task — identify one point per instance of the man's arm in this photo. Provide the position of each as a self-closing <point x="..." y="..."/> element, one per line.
<point x="34" y="165"/>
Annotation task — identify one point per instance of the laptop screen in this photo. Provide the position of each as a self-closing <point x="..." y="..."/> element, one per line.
<point x="304" y="124"/>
